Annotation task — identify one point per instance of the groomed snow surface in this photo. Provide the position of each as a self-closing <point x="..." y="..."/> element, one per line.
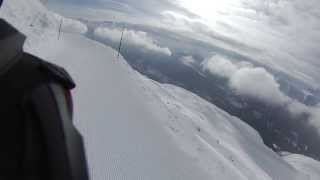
<point x="138" y="129"/>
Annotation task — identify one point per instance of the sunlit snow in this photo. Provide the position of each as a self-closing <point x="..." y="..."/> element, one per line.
<point x="135" y="128"/>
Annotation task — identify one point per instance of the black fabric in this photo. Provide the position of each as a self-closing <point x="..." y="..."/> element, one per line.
<point x="34" y="155"/>
<point x="17" y="77"/>
<point x="57" y="73"/>
<point x="22" y="152"/>
<point x="15" y="85"/>
<point x="11" y="45"/>
<point x="6" y="30"/>
<point x="45" y="105"/>
<point x="30" y="148"/>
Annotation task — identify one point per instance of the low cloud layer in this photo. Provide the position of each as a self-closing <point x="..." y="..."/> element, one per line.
<point x="246" y="79"/>
<point x="257" y="82"/>
<point x="138" y="39"/>
<point x="188" y="61"/>
<point x="218" y="65"/>
<point x="139" y="8"/>
<point x="284" y="33"/>
<point x="281" y="34"/>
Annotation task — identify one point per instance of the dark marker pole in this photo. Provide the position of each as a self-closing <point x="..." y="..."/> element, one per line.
<point x="60" y="26"/>
<point x="119" y="49"/>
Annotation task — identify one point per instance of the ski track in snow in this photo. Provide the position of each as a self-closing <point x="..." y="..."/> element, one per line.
<point x="137" y="129"/>
<point x="123" y="138"/>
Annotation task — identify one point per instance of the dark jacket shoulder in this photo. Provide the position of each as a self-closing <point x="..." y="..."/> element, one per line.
<point x="52" y="72"/>
<point x="23" y="69"/>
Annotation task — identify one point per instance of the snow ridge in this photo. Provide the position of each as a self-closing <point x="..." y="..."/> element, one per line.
<point x="135" y="128"/>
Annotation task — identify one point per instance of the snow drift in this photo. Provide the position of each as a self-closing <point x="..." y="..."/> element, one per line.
<point x="135" y="128"/>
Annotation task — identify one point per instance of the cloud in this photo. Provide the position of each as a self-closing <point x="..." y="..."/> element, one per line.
<point x="285" y="12"/>
<point x="134" y="8"/>
<point x="297" y="108"/>
<point x="218" y="65"/>
<point x="188" y="61"/>
<point x="192" y="63"/>
<point x="258" y="83"/>
<point x="289" y="34"/>
<point x="71" y="25"/>
<point x="138" y="39"/>
<point x="246" y="80"/>
<point x="315" y="116"/>
<point x="281" y="34"/>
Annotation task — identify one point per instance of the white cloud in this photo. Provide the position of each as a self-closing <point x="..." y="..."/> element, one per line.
<point x="297" y="108"/>
<point x="107" y="33"/>
<point x="281" y="34"/>
<point x="256" y="82"/>
<point x="246" y="79"/>
<point x="315" y="116"/>
<point x="218" y="65"/>
<point x="137" y="39"/>
<point x="188" y="61"/>
<point x="71" y="25"/>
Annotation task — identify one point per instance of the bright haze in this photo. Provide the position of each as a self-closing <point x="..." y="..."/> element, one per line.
<point x="281" y="34"/>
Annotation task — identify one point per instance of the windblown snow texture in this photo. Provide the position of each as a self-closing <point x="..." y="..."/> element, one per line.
<point x="138" y="129"/>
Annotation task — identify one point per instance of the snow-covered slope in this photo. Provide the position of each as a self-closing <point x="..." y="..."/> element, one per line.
<point x="33" y="19"/>
<point x="138" y="129"/>
<point x="306" y="165"/>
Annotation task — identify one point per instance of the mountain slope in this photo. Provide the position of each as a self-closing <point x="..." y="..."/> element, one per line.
<point x="135" y="128"/>
<point x="138" y="129"/>
<point x="306" y="165"/>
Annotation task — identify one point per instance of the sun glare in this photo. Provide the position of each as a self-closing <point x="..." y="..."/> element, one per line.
<point x="208" y="9"/>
